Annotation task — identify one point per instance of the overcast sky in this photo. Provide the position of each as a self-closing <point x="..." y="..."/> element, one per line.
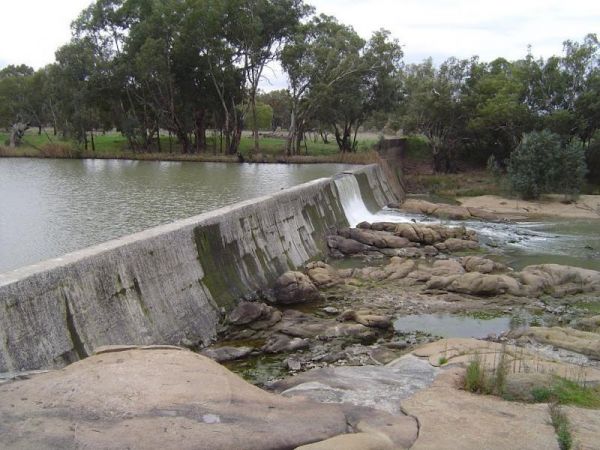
<point x="31" y="30"/>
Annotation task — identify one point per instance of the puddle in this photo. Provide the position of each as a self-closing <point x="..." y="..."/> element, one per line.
<point x="465" y="326"/>
<point x="260" y="370"/>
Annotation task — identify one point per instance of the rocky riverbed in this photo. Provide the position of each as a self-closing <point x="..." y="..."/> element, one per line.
<point x="376" y="341"/>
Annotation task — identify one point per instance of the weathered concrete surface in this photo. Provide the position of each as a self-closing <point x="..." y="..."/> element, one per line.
<point x="155" y="398"/>
<point x="168" y="284"/>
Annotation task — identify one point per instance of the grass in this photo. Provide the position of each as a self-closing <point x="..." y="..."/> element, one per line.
<point x="464" y="184"/>
<point x="561" y="425"/>
<point x="568" y="392"/>
<point x="114" y="145"/>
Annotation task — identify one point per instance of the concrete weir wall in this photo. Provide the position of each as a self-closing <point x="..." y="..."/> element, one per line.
<point x="168" y="283"/>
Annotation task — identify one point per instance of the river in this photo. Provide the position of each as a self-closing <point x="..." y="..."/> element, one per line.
<point x="49" y="207"/>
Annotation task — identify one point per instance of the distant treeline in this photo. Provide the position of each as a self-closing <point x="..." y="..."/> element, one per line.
<point x="183" y="67"/>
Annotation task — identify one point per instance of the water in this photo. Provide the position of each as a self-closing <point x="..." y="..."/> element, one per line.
<point x="51" y="207"/>
<point x="574" y="242"/>
<point x="447" y="325"/>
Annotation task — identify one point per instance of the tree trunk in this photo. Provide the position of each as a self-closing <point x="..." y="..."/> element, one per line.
<point x="200" y="131"/>
<point x="93" y="143"/>
<point x="255" y="125"/>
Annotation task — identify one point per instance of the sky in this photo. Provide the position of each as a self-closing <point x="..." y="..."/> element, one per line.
<point x="436" y="28"/>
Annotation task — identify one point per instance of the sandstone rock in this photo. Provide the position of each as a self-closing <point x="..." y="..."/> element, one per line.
<point x="323" y="275"/>
<point x="475" y="283"/>
<point x="577" y="341"/>
<point x="456" y="245"/>
<point x="416" y="206"/>
<point x="346" y="246"/>
<point x="158" y="398"/>
<point x="484" y="214"/>
<point x="223" y="354"/>
<point x="452" y="212"/>
<point x="450" y="418"/>
<point x="585" y="427"/>
<point x="378" y="387"/>
<point x="246" y="312"/>
<point x="462" y="351"/>
<point x="295" y="287"/>
<point x="355" y="441"/>
<point x="446" y="267"/>
<point x="481" y="265"/>
<point x="559" y="280"/>
<point x="384" y="226"/>
<point x="263" y="324"/>
<point x="366" y="318"/>
<point x="280" y="343"/>
<point x="589" y="324"/>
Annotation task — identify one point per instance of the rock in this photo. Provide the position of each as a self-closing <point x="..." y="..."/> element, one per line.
<point x="559" y="280"/>
<point x="577" y="341"/>
<point x="223" y="354"/>
<point x="293" y="364"/>
<point x="331" y="310"/>
<point x="451" y="418"/>
<point x="346" y="246"/>
<point x="103" y="402"/>
<point x="456" y="245"/>
<point x="280" y="343"/>
<point x="246" y="312"/>
<point x="452" y="212"/>
<point x="323" y="275"/>
<point x="416" y="206"/>
<point x="274" y="318"/>
<point x="520" y="386"/>
<point x="378" y="387"/>
<point x="355" y="441"/>
<point x="589" y="324"/>
<point x="446" y="267"/>
<point x="484" y="214"/>
<point x="475" y="283"/>
<point x="366" y="318"/>
<point x="585" y="427"/>
<point x="295" y="287"/>
<point x="461" y="351"/>
<point x="481" y="265"/>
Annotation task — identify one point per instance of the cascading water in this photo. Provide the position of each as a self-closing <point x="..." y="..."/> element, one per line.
<point x="355" y="208"/>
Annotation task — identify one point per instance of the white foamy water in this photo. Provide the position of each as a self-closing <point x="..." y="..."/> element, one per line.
<point x="356" y="210"/>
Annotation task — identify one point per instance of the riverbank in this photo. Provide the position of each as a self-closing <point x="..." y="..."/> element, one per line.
<point x="114" y="146"/>
<point x="585" y="207"/>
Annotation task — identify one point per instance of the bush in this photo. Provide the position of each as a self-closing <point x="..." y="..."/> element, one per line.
<point x="542" y="164"/>
<point x="593" y="160"/>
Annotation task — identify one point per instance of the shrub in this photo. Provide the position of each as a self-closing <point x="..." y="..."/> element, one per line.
<point x="593" y="160"/>
<point x="542" y="164"/>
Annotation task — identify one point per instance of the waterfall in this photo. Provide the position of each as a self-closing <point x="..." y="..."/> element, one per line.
<point x="354" y="207"/>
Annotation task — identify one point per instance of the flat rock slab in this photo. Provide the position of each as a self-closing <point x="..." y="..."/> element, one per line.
<point x="452" y="419"/>
<point x="156" y="398"/>
<point x="585" y="427"/>
<point x="378" y="387"/>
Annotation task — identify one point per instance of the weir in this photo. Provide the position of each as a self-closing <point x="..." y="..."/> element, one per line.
<point x="173" y="283"/>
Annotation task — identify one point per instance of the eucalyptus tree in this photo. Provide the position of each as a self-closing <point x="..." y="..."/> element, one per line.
<point x="338" y="79"/>
<point x="434" y="107"/>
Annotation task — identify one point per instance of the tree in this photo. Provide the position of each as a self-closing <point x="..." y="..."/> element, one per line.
<point x="435" y="109"/>
<point x="543" y="163"/>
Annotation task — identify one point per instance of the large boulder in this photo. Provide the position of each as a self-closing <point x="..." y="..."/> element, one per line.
<point x="295" y="287"/>
<point x="475" y="283"/>
<point x="346" y="246"/>
<point x="156" y="398"/>
<point x="246" y="312"/>
<point x="323" y="275"/>
<point x="559" y="280"/>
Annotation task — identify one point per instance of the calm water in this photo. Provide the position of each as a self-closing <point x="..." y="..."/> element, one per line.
<point x="51" y="207"/>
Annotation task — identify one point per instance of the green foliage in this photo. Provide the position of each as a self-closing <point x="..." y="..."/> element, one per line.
<point x="264" y="117"/>
<point x="543" y="164"/>
<point x="561" y="425"/>
<point x="568" y="392"/>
